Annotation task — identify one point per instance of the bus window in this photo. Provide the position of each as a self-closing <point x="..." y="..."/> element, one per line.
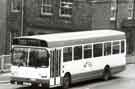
<point x="97" y="50"/>
<point x="122" y="46"/>
<point x="77" y="52"/>
<point x="87" y="51"/>
<point x="116" y="47"/>
<point x="67" y="54"/>
<point x="107" y="48"/>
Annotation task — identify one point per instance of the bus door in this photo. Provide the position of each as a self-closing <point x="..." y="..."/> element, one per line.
<point x="55" y="67"/>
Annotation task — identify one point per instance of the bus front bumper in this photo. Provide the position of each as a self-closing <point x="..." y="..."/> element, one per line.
<point x="19" y="80"/>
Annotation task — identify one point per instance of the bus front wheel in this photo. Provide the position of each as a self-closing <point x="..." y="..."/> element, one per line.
<point x="34" y="85"/>
<point x="12" y="81"/>
<point x="66" y="82"/>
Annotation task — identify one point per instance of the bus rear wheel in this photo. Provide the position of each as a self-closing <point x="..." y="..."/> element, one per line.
<point x="66" y="82"/>
<point x="106" y="74"/>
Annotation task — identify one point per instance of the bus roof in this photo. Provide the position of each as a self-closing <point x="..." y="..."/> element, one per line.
<point x="74" y="38"/>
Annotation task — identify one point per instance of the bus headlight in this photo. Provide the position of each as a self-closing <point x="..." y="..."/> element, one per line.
<point x="43" y="76"/>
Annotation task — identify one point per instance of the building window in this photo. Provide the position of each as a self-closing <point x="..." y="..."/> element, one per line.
<point x="130" y="9"/>
<point x="116" y="47"/>
<point x="107" y="48"/>
<point x="67" y="54"/>
<point x="77" y="52"/>
<point x="97" y="50"/>
<point x="113" y="9"/>
<point x="66" y="7"/>
<point x="46" y="8"/>
<point x="15" y="5"/>
<point x="12" y="35"/>
<point x="87" y="51"/>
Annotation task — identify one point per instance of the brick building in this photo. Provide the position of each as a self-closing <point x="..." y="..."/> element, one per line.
<point x="115" y="14"/>
<point x="109" y="13"/>
<point x="48" y="16"/>
<point x="129" y="27"/>
<point x="28" y="17"/>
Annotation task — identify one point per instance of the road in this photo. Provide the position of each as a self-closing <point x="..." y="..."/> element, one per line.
<point x="123" y="80"/>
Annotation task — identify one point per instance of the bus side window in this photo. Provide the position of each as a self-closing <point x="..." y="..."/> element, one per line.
<point x="77" y="52"/>
<point x="97" y="50"/>
<point x="116" y="47"/>
<point x="87" y="51"/>
<point x="122" y="46"/>
<point x="67" y="54"/>
<point x="107" y="48"/>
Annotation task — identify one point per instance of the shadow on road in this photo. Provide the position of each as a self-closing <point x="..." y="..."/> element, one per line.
<point x="29" y="87"/>
<point x="85" y="83"/>
<point x="80" y="84"/>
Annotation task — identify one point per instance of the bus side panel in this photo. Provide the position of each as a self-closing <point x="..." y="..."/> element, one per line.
<point x="73" y="67"/>
<point x="95" y="70"/>
<point x="113" y="61"/>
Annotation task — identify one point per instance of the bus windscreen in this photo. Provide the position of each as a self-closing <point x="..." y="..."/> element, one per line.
<point x="32" y="57"/>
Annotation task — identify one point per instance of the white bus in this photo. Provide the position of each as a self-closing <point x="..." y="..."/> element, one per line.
<point x="61" y="59"/>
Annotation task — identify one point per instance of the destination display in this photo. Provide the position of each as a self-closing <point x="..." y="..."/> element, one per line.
<point x="29" y="42"/>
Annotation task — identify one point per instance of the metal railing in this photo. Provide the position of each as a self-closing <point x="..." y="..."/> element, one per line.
<point x="5" y="63"/>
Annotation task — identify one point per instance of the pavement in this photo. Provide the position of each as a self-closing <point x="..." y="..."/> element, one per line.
<point x="4" y="77"/>
<point x="130" y="59"/>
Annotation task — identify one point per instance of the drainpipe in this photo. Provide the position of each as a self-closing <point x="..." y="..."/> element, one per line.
<point x="116" y="17"/>
<point x="22" y="17"/>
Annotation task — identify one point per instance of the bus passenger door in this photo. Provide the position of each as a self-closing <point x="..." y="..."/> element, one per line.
<point x="55" y="62"/>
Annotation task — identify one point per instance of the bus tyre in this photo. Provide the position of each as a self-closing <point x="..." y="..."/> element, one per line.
<point x="20" y="83"/>
<point x="106" y="74"/>
<point x="66" y="82"/>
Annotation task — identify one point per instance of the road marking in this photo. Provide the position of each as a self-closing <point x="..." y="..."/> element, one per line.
<point x="87" y="88"/>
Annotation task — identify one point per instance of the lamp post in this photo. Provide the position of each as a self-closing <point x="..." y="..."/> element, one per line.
<point x="22" y="17"/>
